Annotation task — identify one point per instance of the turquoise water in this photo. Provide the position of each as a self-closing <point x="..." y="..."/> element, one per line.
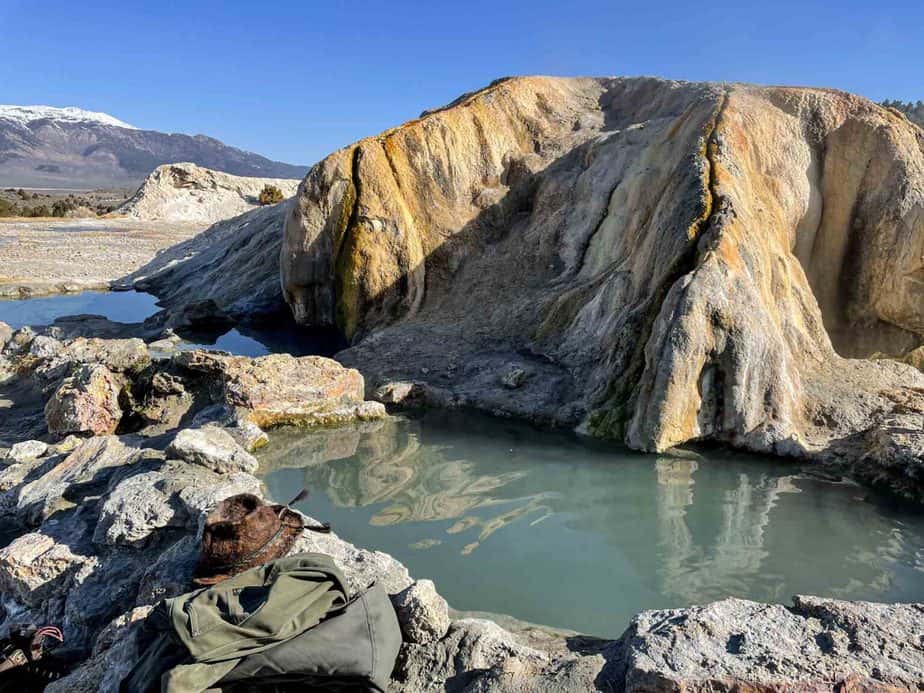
<point x="553" y="529"/>
<point x="136" y="306"/>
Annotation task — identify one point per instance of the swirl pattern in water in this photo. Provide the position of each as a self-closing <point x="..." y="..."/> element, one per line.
<point x="555" y="529"/>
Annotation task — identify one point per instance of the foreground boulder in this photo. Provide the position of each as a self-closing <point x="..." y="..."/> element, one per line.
<point x="818" y="644"/>
<point x="647" y="260"/>
<point x="280" y="389"/>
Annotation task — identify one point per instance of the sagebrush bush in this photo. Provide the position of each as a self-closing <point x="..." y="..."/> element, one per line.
<point x="270" y="195"/>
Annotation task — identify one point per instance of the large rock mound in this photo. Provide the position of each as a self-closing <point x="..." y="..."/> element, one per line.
<point x="660" y="262"/>
<point x="235" y="263"/>
<point x="185" y="192"/>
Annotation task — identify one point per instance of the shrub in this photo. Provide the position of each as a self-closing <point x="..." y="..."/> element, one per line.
<point x="270" y="195"/>
<point x="8" y="209"/>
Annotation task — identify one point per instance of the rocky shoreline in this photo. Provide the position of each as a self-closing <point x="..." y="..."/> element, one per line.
<point x="659" y="260"/>
<point x="113" y="453"/>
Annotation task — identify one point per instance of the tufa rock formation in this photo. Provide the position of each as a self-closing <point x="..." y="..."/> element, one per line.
<point x="189" y="193"/>
<point x="666" y="261"/>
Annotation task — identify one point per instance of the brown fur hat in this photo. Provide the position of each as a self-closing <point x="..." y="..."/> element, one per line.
<point x="244" y="532"/>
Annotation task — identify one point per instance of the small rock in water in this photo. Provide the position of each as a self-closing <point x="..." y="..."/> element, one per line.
<point x="214" y="448"/>
<point x="28" y="450"/>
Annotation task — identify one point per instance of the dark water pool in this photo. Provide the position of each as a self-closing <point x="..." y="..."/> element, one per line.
<point x="136" y="306"/>
<point x="554" y="529"/>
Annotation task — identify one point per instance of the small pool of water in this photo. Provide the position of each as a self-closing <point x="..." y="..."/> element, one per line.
<point x="554" y="529"/>
<point x="135" y="307"/>
<point x="118" y="306"/>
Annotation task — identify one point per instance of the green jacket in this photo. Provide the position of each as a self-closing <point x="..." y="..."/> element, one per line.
<point x="245" y="615"/>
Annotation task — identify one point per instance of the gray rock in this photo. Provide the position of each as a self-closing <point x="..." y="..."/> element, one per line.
<point x="249" y="436"/>
<point x="175" y="494"/>
<point x="135" y="509"/>
<point x="20" y="340"/>
<point x="412" y="394"/>
<point x="6" y="333"/>
<point x="819" y="644"/>
<point x="422" y="613"/>
<point x="91" y="463"/>
<point x="117" y="355"/>
<point x="67" y="445"/>
<point x="171" y="572"/>
<point x="199" y="499"/>
<point x="479" y="655"/>
<point x="28" y="450"/>
<point x="47" y="348"/>
<point x="163" y="347"/>
<point x="213" y="448"/>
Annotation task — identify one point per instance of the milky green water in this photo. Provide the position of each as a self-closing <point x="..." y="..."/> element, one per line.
<point x="557" y="530"/>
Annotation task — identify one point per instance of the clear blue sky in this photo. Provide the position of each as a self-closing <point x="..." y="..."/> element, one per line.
<point x="295" y="80"/>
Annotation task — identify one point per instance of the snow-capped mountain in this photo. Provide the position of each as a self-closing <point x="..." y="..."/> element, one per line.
<point x="44" y="146"/>
<point x="28" y="114"/>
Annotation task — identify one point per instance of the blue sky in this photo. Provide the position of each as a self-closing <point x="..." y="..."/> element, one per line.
<point x="296" y="80"/>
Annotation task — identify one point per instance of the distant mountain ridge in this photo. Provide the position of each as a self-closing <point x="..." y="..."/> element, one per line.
<point x="45" y="146"/>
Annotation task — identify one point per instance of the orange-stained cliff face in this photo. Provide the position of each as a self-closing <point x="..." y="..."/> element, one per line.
<point x="660" y="259"/>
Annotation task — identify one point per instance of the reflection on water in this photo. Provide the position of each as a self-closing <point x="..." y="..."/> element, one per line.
<point x="118" y="306"/>
<point x="277" y="334"/>
<point x="552" y="529"/>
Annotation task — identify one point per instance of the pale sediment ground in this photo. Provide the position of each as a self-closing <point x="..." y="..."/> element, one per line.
<point x="39" y="257"/>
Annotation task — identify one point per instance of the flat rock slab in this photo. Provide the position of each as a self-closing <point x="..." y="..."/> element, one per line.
<point x="281" y="389"/>
<point x="818" y="644"/>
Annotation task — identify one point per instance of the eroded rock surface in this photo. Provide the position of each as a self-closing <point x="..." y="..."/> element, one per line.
<point x="234" y="263"/>
<point x="86" y="402"/>
<point x="185" y="192"/>
<point x="818" y="644"/>
<point x="668" y="261"/>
